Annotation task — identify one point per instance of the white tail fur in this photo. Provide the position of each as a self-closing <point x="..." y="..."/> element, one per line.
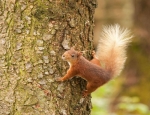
<point x="111" y="50"/>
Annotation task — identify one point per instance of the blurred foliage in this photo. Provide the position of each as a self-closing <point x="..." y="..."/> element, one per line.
<point x="126" y="105"/>
<point x="137" y="73"/>
<point x="101" y="99"/>
<point x="129" y="94"/>
<point x="132" y="105"/>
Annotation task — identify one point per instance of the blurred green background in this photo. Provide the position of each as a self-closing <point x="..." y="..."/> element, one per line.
<point x="129" y="93"/>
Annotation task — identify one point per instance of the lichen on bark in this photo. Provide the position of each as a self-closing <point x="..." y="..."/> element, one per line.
<point x="31" y="44"/>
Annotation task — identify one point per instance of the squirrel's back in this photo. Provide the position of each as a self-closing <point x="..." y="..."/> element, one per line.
<point x="91" y="71"/>
<point x="111" y="50"/>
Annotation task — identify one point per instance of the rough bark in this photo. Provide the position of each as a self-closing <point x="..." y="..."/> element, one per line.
<point x="33" y="36"/>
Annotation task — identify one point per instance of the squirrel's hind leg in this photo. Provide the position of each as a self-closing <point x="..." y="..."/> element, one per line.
<point x="89" y="89"/>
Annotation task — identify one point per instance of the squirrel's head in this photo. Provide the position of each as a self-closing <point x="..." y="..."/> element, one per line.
<point x="71" y="55"/>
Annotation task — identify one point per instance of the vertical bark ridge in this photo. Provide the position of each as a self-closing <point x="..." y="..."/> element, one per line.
<point x="33" y="36"/>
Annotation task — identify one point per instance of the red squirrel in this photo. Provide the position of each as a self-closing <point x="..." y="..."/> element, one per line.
<point x="107" y="62"/>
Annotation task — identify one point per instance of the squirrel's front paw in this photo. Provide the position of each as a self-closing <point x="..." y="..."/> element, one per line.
<point x="59" y="79"/>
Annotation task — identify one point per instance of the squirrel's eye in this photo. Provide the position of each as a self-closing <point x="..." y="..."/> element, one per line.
<point x="72" y="55"/>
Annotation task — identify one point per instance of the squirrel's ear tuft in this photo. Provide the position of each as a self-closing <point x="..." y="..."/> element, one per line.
<point x="72" y="48"/>
<point x="79" y="54"/>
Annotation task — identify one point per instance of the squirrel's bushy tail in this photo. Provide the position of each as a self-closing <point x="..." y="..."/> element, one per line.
<point x="111" y="50"/>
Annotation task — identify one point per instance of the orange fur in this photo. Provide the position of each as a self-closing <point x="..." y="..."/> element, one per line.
<point x="92" y="73"/>
<point x="110" y="52"/>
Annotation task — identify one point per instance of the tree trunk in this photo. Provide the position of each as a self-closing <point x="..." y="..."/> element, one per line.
<point x="33" y="36"/>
